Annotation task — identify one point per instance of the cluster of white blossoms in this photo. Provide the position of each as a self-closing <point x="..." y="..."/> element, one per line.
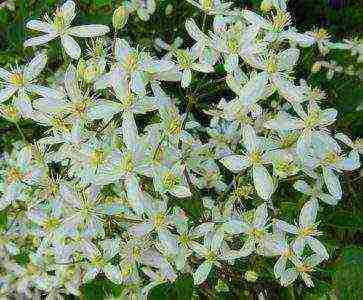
<point x="97" y="194"/>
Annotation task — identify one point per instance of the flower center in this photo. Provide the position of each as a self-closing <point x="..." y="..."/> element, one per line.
<point x="17" y="79"/>
<point x="175" y="126"/>
<point x="97" y="158"/>
<point x="184" y="59"/>
<point x="14" y="175"/>
<point x="331" y="158"/>
<point x="255" y="157"/>
<point x="170" y="180"/>
<point x="160" y="219"/>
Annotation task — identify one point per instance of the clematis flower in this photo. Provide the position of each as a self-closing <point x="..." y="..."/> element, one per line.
<point x="306" y="230"/>
<point x="255" y="157"/>
<point x="22" y="81"/>
<point x="60" y="27"/>
<point x="212" y="7"/>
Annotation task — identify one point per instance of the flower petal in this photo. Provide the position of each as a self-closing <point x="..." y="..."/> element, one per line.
<point x="71" y="47"/>
<point x="39" y="26"/>
<point x="308" y="213"/>
<point x="186" y="78"/>
<point x="36" y="65"/>
<point x="40" y="40"/>
<point x="4" y="74"/>
<point x="332" y="183"/>
<point x="201" y="274"/>
<point x="262" y="181"/>
<point x="235" y="163"/>
<point x="89" y="30"/>
<point x="6" y="93"/>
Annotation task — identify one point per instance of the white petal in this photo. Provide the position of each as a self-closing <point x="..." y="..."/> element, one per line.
<point x="349" y="163"/>
<point x="280" y="266"/>
<point x="36" y="65"/>
<point x="45" y="91"/>
<point x="135" y="196"/>
<point x="181" y="191"/>
<point x="39" y="40"/>
<point x="328" y="199"/>
<point x="6" y="93"/>
<point x="340" y="136"/>
<point x="122" y="50"/>
<point x="288" y="277"/>
<point x="142" y="229"/>
<point x="249" y="138"/>
<point x="217" y="240"/>
<point x="129" y="130"/>
<point x="263" y="182"/>
<point x="89" y="30"/>
<point x="194" y="31"/>
<point x="317" y="247"/>
<point x="257" y="20"/>
<point x="71" y="47"/>
<point x="201" y="274"/>
<point x="332" y="183"/>
<point x="186" y="78"/>
<point x="308" y="213"/>
<point x="4" y="74"/>
<point x="254" y="89"/>
<point x="24" y="156"/>
<point x="50" y="105"/>
<point x="39" y="26"/>
<point x="68" y="11"/>
<point x="137" y="83"/>
<point x="71" y="83"/>
<point x="282" y="225"/>
<point x="235" y="227"/>
<point x="168" y="241"/>
<point x="260" y="216"/>
<point x="22" y="103"/>
<point x="113" y="273"/>
<point x="288" y="58"/>
<point x="235" y="163"/>
<point x="303" y="187"/>
<point x="231" y="62"/>
<point x="103" y="110"/>
<point x="119" y="84"/>
<point x="90" y="273"/>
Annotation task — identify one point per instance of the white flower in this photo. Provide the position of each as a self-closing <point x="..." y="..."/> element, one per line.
<point x="306" y="230"/>
<point x="23" y="81"/>
<point x="212" y="7"/>
<point x="255" y="158"/>
<point x="60" y="27"/>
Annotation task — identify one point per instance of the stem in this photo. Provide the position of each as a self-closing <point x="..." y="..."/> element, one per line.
<point x="204" y="21"/>
<point x="20" y="131"/>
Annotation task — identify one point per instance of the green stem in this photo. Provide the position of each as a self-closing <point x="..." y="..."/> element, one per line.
<point x="204" y="22"/>
<point x="20" y="131"/>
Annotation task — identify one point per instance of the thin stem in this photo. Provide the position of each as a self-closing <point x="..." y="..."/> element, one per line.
<point x="204" y="21"/>
<point x="20" y="131"/>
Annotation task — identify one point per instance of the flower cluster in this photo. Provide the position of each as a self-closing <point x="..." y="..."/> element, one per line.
<point x="98" y="192"/>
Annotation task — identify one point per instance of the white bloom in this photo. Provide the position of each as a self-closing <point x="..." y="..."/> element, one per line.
<point x="60" y="27"/>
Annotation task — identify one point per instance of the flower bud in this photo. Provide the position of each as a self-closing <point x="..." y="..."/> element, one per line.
<point x="169" y="9"/>
<point x="120" y="17"/>
<point x="316" y="67"/>
<point x="251" y="276"/>
<point x="266" y="6"/>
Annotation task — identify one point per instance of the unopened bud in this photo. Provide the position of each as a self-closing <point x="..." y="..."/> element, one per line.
<point x="266" y="6"/>
<point x="316" y="67"/>
<point x="169" y="9"/>
<point x="251" y="276"/>
<point x="120" y="17"/>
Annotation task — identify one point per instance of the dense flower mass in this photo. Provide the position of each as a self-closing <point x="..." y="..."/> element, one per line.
<point x="96" y="194"/>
